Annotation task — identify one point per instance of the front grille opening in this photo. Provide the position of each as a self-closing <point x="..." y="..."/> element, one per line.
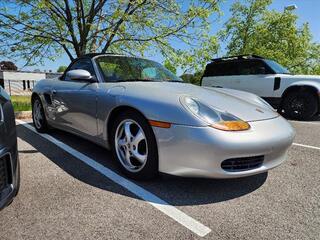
<point x="242" y="164"/>
<point x="5" y="172"/>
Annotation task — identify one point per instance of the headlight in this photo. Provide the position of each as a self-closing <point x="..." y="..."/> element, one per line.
<point x="213" y="117"/>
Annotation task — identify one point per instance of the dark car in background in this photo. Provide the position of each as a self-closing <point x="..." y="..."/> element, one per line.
<point x="9" y="163"/>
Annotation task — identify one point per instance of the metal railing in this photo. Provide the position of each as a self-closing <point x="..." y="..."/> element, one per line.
<point x="19" y="87"/>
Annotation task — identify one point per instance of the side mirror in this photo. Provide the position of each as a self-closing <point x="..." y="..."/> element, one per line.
<point x="80" y="74"/>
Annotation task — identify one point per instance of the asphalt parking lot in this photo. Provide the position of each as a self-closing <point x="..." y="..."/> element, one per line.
<point x="70" y="189"/>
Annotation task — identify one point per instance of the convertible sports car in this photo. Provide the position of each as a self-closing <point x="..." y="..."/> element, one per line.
<point x="153" y="122"/>
<point x="9" y="164"/>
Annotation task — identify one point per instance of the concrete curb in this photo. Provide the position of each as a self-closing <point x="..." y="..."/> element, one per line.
<point x="23" y="114"/>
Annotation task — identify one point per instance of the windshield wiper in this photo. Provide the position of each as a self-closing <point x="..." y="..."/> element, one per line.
<point x="136" y="80"/>
<point x="179" y="81"/>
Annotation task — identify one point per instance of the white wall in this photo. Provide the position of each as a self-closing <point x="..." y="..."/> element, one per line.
<point x="22" y="76"/>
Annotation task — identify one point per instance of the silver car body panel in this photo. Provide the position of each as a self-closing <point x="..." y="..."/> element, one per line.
<point x="189" y="147"/>
<point x="199" y="151"/>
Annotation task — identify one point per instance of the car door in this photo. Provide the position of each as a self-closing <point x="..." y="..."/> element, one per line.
<point x="254" y="76"/>
<point x="75" y="101"/>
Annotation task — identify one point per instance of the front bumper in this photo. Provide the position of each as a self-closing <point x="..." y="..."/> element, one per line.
<point x="199" y="151"/>
<point x="12" y="169"/>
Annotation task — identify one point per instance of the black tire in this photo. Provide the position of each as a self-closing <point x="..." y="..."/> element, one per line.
<point x="150" y="168"/>
<point x="300" y="105"/>
<point x="43" y="127"/>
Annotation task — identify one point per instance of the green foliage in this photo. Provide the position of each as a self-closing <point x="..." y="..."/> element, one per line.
<point x="253" y="29"/>
<point x="21" y="103"/>
<point x="194" y="59"/>
<point x="170" y="66"/>
<point x="192" y="78"/>
<point x="61" y="69"/>
<point x="44" y="29"/>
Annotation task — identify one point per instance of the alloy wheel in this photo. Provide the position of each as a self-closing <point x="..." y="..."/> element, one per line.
<point x="131" y="145"/>
<point x="37" y="114"/>
<point x="298" y="105"/>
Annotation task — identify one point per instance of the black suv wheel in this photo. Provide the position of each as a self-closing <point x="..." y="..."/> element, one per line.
<point x="300" y="105"/>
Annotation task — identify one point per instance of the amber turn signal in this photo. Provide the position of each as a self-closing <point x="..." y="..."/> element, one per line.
<point x="159" y="124"/>
<point x="231" y="125"/>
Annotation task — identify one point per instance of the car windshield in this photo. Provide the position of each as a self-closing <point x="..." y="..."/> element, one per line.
<point x="277" y="67"/>
<point x="120" y="69"/>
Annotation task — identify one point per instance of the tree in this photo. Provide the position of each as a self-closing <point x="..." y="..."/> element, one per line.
<point x="61" y="68"/>
<point x="240" y="28"/>
<point x="192" y="78"/>
<point x="253" y="29"/>
<point x="40" y="29"/>
<point x="170" y="66"/>
<point x="7" y="65"/>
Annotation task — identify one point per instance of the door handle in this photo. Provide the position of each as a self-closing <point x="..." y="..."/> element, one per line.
<point x="54" y="92"/>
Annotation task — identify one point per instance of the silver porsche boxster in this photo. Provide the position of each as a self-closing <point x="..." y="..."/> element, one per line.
<point x="154" y="122"/>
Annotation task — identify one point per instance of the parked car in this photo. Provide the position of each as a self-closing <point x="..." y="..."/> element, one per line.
<point x="297" y="96"/>
<point x="154" y="122"/>
<point x="9" y="163"/>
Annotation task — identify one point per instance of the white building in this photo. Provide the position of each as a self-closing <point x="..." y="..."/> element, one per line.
<point x="22" y="82"/>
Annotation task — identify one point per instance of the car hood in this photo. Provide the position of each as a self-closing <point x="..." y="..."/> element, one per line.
<point x="240" y="104"/>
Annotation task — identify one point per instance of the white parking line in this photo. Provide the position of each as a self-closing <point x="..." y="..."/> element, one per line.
<point x="174" y="213"/>
<point x="306" y="146"/>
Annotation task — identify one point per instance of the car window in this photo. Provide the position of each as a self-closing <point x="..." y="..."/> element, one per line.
<point x="84" y="64"/>
<point x="221" y="69"/>
<point x="237" y="68"/>
<point x="252" y="68"/>
<point x="277" y="68"/>
<point x="114" y="71"/>
<point x="121" y="68"/>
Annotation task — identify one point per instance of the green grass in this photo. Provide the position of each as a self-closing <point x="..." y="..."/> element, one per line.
<point x="21" y="103"/>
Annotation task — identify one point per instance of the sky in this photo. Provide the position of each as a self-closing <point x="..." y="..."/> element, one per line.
<point x="308" y="11"/>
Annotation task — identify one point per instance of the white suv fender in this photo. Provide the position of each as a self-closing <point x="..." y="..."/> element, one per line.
<point x="315" y="86"/>
<point x="305" y="88"/>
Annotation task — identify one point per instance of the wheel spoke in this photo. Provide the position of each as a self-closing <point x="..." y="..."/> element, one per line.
<point x="128" y="156"/>
<point x="140" y="157"/>
<point x="138" y="138"/>
<point x="121" y="142"/>
<point x="127" y="130"/>
<point x="122" y="152"/>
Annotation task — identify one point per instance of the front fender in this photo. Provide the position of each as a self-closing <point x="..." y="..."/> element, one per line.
<point x="151" y="109"/>
<point x="309" y="83"/>
<point x="155" y="109"/>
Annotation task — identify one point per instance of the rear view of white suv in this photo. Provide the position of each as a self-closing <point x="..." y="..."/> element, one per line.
<point x="298" y="96"/>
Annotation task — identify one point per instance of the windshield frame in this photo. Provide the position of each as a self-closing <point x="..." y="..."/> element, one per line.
<point x="276" y="67"/>
<point x="134" y="79"/>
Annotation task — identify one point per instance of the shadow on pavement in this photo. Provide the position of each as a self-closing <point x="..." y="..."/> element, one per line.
<point x="175" y="190"/>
